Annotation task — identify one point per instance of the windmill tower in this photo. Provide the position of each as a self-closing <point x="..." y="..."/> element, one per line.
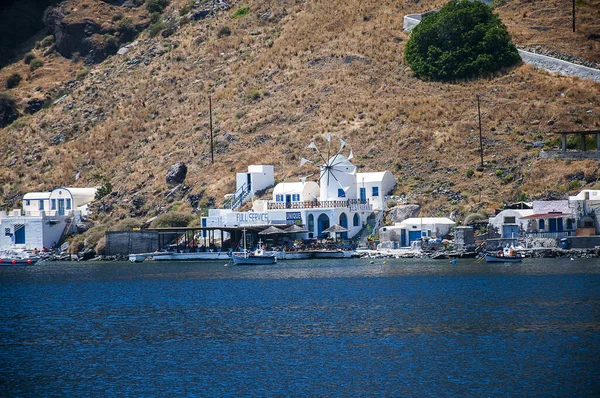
<point x="337" y="175"/>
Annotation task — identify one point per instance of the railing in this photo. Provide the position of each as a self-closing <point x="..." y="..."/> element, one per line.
<point x="316" y="204"/>
<point x="377" y="224"/>
<point x="554" y="235"/>
<point x="237" y="199"/>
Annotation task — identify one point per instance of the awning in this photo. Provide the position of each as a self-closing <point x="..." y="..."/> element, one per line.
<point x="547" y="215"/>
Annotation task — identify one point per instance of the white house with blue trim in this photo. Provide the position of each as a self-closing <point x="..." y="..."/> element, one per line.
<point x="44" y="218"/>
<point x="342" y="196"/>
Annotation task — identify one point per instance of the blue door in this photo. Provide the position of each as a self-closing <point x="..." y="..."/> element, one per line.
<point x="403" y="238"/>
<point x="552" y="224"/>
<point x="61" y="207"/>
<point x="322" y="224"/>
<point x="363" y="194"/>
<point x="19" y="234"/>
<point x="559" y="225"/>
<point x="413" y="236"/>
<point x="344" y="223"/>
<point x="510" y="231"/>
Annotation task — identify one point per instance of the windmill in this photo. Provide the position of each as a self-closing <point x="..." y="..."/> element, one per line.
<point x="333" y="165"/>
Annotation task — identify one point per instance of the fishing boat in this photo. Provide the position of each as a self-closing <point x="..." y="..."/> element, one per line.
<point x="15" y="257"/>
<point x="506" y="255"/>
<point x="256" y="257"/>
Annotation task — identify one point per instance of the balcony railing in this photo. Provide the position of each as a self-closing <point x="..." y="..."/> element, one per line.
<point x="316" y="204"/>
<point x="554" y="235"/>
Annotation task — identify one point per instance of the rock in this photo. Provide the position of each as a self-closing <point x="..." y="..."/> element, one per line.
<point x="176" y="173"/>
<point x="83" y="226"/>
<point x="194" y="199"/>
<point x="200" y="14"/>
<point x="400" y="213"/>
<point x="34" y="105"/>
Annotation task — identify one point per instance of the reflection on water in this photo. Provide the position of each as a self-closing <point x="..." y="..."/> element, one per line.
<point x="333" y="327"/>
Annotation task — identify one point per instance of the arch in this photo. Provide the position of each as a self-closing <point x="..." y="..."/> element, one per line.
<point x="311" y="225"/>
<point x="356" y="220"/>
<point x="344" y="223"/>
<point x="322" y="223"/>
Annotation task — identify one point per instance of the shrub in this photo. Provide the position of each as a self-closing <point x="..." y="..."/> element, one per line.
<point x="28" y="57"/>
<point x="470" y="173"/>
<point x="172" y="219"/>
<point x="13" y="80"/>
<point x="35" y="64"/>
<point x="224" y="31"/>
<point x="104" y="190"/>
<point x="240" y="12"/>
<point x="8" y="109"/>
<point x="127" y="224"/>
<point x="156" y="5"/>
<point x="464" y="39"/>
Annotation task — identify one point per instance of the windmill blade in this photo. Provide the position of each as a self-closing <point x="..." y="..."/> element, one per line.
<point x="328" y="138"/>
<point x="303" y="161"/>
<point x="351" y="155"/>
<point x="312" y="145"/>
<point x="342" y="144"/>
<point x="303" y="178"/>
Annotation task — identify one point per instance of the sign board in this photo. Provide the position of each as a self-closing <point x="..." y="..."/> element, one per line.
<point x="360" y="207"/>
<point x="247" y="218"/>
<point x="293" y="217"/>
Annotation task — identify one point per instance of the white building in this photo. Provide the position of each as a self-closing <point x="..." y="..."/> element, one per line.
<point x="413" y="229"/>
<point x="257" y="178"/>
<point x="510" y="223"/>
<point x="44" y="217"/>
<point x="342" y="196"/>
<point x="586" y="207"/>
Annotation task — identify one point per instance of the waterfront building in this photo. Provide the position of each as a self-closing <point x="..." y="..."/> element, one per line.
<point x="342" y="196"/>
<point x="404" y="233"/>
<point x="44" y="218"/>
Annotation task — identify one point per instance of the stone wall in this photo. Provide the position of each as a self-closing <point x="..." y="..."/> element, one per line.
<point x="130" y="242"/>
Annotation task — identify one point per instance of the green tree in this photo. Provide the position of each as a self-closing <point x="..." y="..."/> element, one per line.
<point x="464" y="39"/>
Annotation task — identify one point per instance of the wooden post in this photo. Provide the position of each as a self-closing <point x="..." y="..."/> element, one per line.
<point x="212" y="155"/>
<point x="573" y="15"/>
<point x="564" y="142"/>
<point x="480" y="134"/>
<point x="583" y="142"/>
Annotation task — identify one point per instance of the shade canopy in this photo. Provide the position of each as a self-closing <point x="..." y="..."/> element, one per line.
<point x="295" y="229"/>
<point x="335" y="229"/>
<point x="271" y="231"/>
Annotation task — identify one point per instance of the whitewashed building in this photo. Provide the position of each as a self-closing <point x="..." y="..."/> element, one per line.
<point x="257" y="178"/>
<point x="413" y="229"/>
<point x="342" y="196"/>
<point x="44" y="218"/>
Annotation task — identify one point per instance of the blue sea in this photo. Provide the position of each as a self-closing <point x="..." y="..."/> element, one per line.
<point x="394" y="328"/>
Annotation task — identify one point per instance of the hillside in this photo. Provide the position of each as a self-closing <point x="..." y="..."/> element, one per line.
<point x="289" y="71"/>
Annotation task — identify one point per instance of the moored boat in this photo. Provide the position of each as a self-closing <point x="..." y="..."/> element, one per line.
<point x="256" y="257"/>
<point x="508" y="255"/>
<point x="17" y="258"/>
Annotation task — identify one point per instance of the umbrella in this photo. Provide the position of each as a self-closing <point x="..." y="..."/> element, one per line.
<point x="335" y="229"/>
<point x="271" y="231"/>
<point x="295" y="229"/>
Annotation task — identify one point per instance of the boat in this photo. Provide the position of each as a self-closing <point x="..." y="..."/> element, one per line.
<point x="15" y="257"/>
<point x="256" y="257"/>
<point x="506" y="255"/>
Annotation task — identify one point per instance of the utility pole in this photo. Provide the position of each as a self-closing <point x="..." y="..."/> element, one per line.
<point x="480" y="135"/>
<point x="212" y="155"/>
<point x="573" y="15"/>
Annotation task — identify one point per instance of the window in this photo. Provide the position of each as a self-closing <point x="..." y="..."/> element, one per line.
<point x="27" y="202"/>
<point x="53" y="204"/>
<point x="542" y="224"/>
<point x="7" y="232"/>
<point x="68" y="204"/>
<point x="279" y="198"/>
<point x="296" y="197"/>
<point x="509" y="220"/>
<point x="42" y="204"/>
<point x="356" y="220"/>
<point x="341" y="193"/>
<point x="375" y="191"/>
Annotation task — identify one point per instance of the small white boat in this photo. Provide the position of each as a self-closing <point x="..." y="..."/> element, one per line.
<point x="15" y="257"/>
<point x="137" y="258"/>
<point x="507" y="255"/>
<point x="256" y="257"/>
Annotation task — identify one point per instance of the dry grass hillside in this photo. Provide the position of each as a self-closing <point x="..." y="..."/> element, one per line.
<point x="290" y="71"/>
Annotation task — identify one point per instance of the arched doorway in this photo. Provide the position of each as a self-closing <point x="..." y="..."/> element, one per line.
<point x="322" y="223"/>
<point x="356" y="220"/>
<point x="344" y="223"/>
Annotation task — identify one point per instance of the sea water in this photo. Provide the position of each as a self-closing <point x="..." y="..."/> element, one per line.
<point x="301" y="328"/>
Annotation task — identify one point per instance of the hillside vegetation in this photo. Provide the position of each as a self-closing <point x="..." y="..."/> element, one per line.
<point x="282" y="72"/>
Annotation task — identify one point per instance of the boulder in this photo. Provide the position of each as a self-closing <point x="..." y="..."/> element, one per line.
<point x="34" y="105"/>
<point x="176" y="173"/>
<point x="400" y="213"/>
